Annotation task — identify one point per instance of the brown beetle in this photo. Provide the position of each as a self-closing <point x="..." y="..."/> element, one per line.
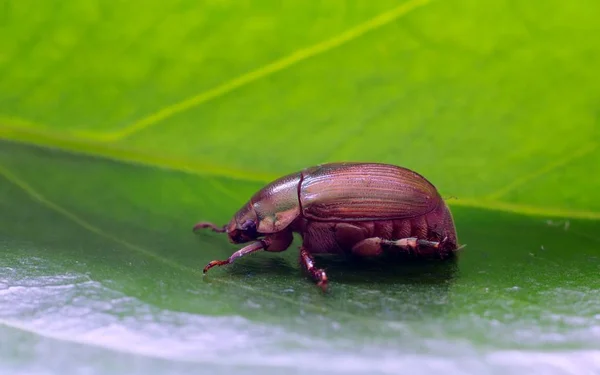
<point x="363" y="209"/>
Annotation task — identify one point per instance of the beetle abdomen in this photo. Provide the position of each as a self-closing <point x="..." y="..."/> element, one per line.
<point x="337" y="237"/>
<point x="364" y="192"/>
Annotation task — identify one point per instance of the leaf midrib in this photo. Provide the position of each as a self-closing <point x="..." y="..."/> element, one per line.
<point x="67" y="143"/>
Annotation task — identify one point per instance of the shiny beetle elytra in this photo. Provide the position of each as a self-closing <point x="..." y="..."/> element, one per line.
<point x="363" y="209"/>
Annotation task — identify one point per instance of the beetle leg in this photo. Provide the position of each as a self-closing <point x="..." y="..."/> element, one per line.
<point x="410" y="243"/>
<point x="205" y="224"/>
<point x="369" y="247"/>
<point x="317" y="274"/>
<point x="254" y="246"/>
<point x="417" y="246"/>
<point x="372" y="247"/>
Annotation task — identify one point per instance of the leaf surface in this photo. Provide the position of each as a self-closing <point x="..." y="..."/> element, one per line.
<point x="123" y="124"/>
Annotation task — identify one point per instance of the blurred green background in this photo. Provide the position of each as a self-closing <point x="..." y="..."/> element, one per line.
<point x="123" y="123"/>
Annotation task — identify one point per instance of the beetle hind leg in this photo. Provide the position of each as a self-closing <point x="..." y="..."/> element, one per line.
<point x="411" y="243"/>
<point x="376" y="246"/>
<point x="317" y="274"/>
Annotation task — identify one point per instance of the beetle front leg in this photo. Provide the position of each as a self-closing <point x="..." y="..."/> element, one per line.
<point x="317" y="274"/>
<point x="253" y="247"/>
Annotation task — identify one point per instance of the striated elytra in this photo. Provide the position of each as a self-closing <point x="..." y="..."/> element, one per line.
<point x="361" y="209"/>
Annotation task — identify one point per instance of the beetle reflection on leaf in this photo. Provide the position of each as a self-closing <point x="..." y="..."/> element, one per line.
<point x="363" y="209"/>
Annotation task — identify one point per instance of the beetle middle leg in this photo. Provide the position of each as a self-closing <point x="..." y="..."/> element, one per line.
<point x="374" y="246"/>
<point x="317" y="274"/>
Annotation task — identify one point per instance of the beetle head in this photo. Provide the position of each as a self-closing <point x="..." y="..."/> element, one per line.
<point x="242" y="227"/>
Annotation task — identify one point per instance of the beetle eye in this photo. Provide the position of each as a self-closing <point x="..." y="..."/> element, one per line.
<point x="249" y="226"/>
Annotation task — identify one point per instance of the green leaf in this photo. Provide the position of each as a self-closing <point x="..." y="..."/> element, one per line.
<point x="125" y="123"/>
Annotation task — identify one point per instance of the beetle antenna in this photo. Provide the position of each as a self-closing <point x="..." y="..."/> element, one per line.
<point x="205" y="224"/>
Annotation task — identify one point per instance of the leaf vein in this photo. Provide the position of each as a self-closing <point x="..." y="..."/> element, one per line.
<point x="127" y="156"/>
<point x="266" y="70"/>
<point x="553" y="166"/>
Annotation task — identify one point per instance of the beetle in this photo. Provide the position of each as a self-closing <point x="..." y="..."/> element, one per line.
<point x="345" y="208"/>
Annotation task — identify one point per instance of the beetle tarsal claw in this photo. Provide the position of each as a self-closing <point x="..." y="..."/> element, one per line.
<point x="323" y="280"/>
<point x="214" y="263"/>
